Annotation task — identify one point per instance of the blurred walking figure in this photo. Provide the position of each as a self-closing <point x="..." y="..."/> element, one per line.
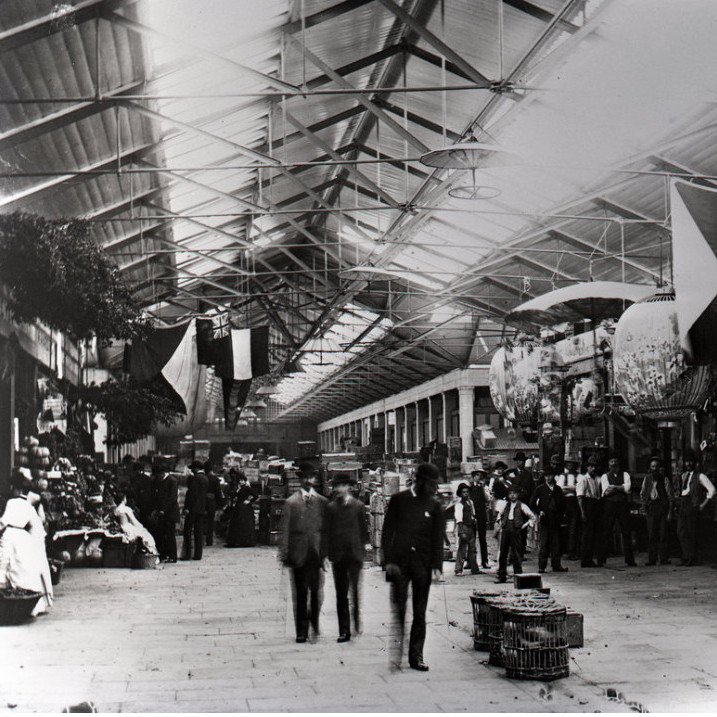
<point x="412" y="543"/>
<point x="345" y="535"/>
<point x="301" y="549"/>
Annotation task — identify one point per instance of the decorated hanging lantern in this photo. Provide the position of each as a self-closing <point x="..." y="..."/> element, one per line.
<point x="649" y="366"/>
<point x="513" y="379"/>
<point x="587" y="396"/>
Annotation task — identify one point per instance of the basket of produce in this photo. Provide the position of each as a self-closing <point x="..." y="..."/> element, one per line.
<point x="481" y="609"/>
<point x="141" y="559"/>
<point x="535" y="643"/>
<point x="56" y="567"/>
<point x="16" y="605"/>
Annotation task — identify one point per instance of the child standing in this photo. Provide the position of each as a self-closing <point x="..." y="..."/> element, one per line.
<point x="515" y="518"/>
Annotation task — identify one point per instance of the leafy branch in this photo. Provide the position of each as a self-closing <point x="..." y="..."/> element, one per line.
<point x="56" y="273"/>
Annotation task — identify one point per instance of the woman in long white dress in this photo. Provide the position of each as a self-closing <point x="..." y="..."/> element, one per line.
<point x="23" y="560"/>
<point x="132" y="528"/>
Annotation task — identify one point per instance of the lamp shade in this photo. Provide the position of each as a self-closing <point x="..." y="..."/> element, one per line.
<point x="462" y="155"/>
<point x="649" y="364"/>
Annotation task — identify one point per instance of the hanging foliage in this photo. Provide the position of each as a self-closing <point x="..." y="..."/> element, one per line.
<point x="131" y="411"/>
<point x="54" y="272"/>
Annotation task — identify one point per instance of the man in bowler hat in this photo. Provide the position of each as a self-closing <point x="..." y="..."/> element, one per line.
<point x="345" y="535"/>
<point x="167" y="514"/>
<point x="195" y="512"/>
<point x="302" y="549"/>
<point x="412" y="543"/>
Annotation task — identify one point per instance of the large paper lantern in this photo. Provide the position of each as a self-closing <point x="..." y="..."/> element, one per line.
<point x="649" y="365"/>
<point x="513" y="379"/>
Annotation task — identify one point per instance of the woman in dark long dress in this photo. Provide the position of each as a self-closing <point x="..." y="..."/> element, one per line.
<point x="241" y="521"/>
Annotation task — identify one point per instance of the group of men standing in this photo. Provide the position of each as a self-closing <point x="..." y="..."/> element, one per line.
<point x="315" y="531"/>
<point x="154" y="494"/>
<point x="586" y="504"/>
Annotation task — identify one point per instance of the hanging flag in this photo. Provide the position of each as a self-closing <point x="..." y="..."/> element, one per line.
<point x="183" y="372"/>
<point x="170" y="353"/>
<point x="242" y="353"/>
<point x="235" y="395"/>
<point x="694" y="261"/>
<point x="145" y="358"/>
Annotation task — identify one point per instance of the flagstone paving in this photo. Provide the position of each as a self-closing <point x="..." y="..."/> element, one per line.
<point x="217" y="636"/>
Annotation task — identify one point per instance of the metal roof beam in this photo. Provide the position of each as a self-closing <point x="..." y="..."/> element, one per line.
<point x="564" y="236"/>
<point x="316" y="140"/>
<point x="328" y="13"/>
<point x="399" y="164"/>
<point x="64" y="117"/>
<point x="316" y="127"/>
<point x="188" y="47"/>
<point x="46" y="25"/>
<point x="669" y="165"/>
<point x="356" y="65"/>
<point x="436" y="60"/>
<point x="436" y="43"/>
<point x="416" y="119"/>
<point x="621" y="210"/>
<point x="533" y="10"/>
<point x="117" y="162"/>
<point x="362" y="99"/>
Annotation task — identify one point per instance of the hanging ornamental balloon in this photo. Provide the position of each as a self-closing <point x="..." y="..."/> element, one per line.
<point x="513" y="380"/>
<point x="649" y="365"/>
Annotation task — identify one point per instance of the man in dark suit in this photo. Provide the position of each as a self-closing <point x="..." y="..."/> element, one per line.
<point x="302" y="550"/>
<point x="195" y="512"/>
<point x="215" y="500"/>
<point x="345" y="535"/>
<point x="167" y="514"/>
<point x="549" y="505"/>
<point x="412" y="542"/>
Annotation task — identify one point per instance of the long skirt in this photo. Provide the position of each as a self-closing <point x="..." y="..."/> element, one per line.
<point x="241" y="527"/>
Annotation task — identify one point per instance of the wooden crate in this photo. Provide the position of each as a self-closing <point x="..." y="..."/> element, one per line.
<point x="574" y="623"/>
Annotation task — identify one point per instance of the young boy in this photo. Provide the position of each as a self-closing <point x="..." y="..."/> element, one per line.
<point x="514" y="519"/>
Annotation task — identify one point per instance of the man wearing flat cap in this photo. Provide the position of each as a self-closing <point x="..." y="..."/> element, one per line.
<point x="345" y="535"/>
<point x="412" y="542"/>
<point x="302" y="549"/>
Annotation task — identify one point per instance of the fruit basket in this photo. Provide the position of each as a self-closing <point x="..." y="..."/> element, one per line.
<point x="16" y="605"/>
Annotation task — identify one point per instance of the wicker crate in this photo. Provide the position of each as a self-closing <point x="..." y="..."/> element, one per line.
<point x="16" y="605"/>
<point x="535" y="644"/>
<point x="479" y="601"/>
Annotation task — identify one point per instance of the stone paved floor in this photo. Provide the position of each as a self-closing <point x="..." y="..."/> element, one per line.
<point x="217" y="636"/>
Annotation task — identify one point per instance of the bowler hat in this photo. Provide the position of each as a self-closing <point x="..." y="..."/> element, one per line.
<point x="512" y="488"/>
<point x="427" y="471"/>
<point x="519" y="456"/>
<point x="500" y="464"/>
<point x="343" y="478"/>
